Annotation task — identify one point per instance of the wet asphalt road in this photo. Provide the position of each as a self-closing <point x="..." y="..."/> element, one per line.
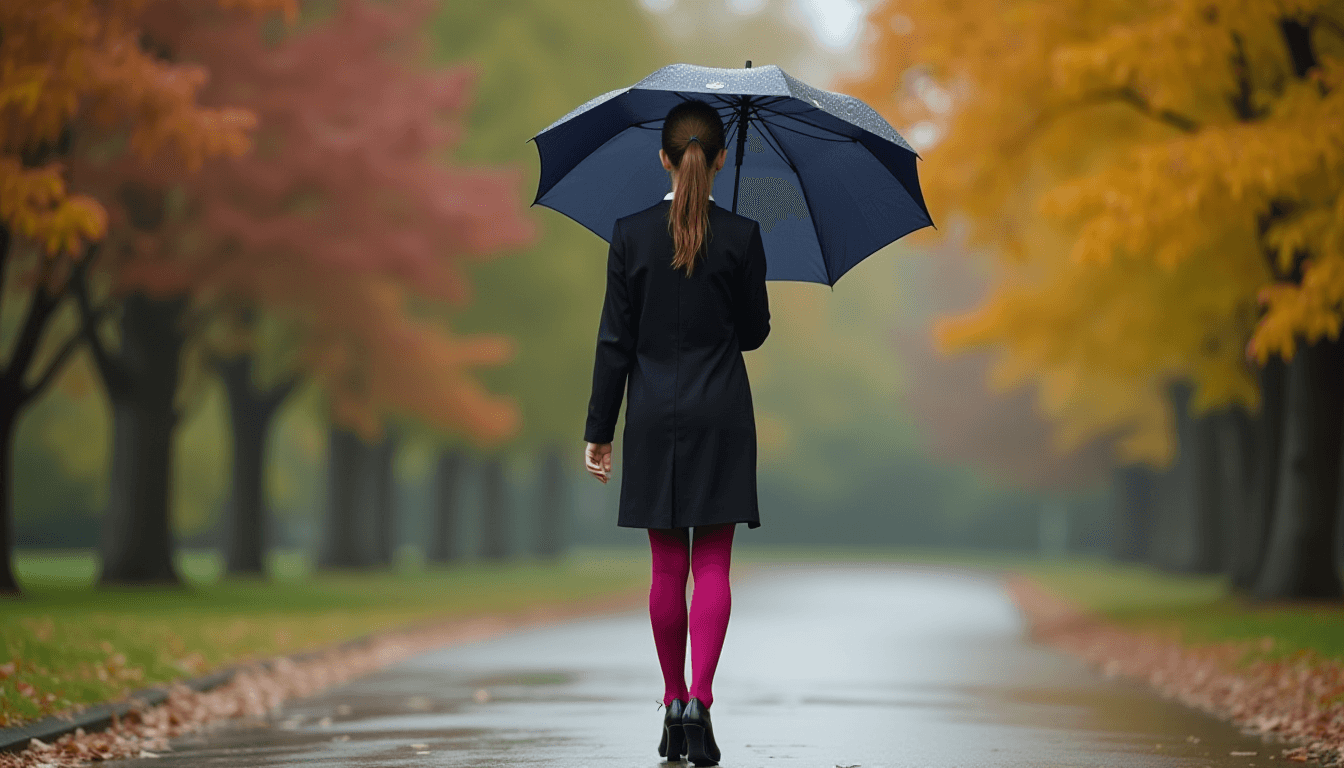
<point x="871" y="666"/>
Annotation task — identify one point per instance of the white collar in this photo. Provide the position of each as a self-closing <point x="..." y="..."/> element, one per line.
<point x="668" y="196"/>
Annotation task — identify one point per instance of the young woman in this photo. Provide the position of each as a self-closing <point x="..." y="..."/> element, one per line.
<point x="685" y="297"/>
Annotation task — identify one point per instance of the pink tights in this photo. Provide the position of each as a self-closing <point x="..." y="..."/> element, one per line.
<point x="673" y="560"/>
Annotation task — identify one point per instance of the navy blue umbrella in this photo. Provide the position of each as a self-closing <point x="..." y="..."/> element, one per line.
<point x="827" y="178"/>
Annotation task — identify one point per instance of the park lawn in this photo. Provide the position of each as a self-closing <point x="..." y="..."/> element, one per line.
<point x="68" y="643"/>
<point x="1195" y="609"/>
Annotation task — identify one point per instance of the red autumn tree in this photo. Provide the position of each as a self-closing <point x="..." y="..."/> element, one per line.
<point x="76" y="69"/>
<point x="344" y="211"/>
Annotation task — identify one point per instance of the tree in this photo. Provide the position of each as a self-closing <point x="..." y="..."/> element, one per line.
<point x="536" y="63"/>
<point x="1172" y="146"/>
<point x="73" y="69"/>
<point x="340" y="219"/>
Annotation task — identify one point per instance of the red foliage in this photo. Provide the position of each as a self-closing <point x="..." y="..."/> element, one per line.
<point x="344" y="205"/>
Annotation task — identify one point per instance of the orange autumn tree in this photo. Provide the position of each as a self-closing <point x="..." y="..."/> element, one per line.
<point x="76" y="67"/>
<point x="1147" y="172"/>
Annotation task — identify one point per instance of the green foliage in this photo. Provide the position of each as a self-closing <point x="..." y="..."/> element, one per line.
<point x="538" y="59"/>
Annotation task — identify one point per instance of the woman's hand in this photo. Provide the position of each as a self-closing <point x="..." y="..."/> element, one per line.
<point x="597" y="460"/>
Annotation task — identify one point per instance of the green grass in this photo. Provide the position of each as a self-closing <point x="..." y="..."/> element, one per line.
<point x="1195" y="609"/>
<point x="75" y="643"/>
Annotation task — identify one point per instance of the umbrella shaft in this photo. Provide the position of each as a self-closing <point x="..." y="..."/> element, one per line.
<point x="741" y="147"/>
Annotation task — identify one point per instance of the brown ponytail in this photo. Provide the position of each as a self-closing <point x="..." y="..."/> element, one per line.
<point x="692" y="139"/>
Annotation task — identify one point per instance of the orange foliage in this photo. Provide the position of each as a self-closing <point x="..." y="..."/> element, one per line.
<point x="68" y="61"/>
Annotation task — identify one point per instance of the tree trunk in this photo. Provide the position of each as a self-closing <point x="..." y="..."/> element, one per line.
<point x="1135" y="495"/>
<point x="1166" y="483"/>
<point x="246" y="525"/>
<point x="1250" y="538"/>
<point x="443" y="526"/>
<point x="494" y="511"/>
<point x="1188" y="529"/>
<point x="551" y="504"/>
<point x="137" y="538"/>
<point x="1300" y="560"/>
<point x="11" y="400"/>
<point x="1236" y="473"/>
<point x="384" y="492"/>
<point x="348" y="535"/>
<point x="9" y="583"/>
<point x="1205" y="544"/>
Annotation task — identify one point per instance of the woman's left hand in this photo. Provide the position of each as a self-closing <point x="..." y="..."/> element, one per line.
<point x="597" y="460"/>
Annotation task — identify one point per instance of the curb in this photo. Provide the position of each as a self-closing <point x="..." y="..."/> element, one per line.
<point x="96" y="717"/>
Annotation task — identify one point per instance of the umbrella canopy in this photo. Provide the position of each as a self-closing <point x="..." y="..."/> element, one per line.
<point x="827" y="178"/>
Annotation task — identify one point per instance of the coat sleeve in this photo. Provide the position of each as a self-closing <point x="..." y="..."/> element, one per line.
<point x="616" y="336"/>
<point x="752" y="302"/>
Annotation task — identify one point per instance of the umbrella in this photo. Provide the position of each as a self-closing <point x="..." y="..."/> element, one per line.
<point x="827" y="178"/>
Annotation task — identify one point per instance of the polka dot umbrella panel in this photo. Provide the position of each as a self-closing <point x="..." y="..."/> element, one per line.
<point x="829" y="181"/>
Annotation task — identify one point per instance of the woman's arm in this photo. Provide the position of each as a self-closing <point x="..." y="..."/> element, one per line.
<point x="752" y="301"/>
<point x="616" y="336"/>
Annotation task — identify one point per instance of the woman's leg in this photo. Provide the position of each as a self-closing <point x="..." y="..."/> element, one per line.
<point x="667" y="606"/>
<point x="711" y="603"/>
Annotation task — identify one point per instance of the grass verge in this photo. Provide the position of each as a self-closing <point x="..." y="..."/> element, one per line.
<point x="1195" y="610"/>
<point x="68" y="643"/>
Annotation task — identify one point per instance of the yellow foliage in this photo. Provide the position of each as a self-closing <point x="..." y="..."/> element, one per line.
<point x="1146" y="172"/>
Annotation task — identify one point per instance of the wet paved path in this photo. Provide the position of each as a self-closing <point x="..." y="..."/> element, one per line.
<point x="871" y="666"/>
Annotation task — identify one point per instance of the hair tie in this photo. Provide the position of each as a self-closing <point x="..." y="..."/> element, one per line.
<point x="696" y="139"/>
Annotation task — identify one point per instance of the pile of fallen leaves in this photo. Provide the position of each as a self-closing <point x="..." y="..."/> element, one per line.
<point x="258" y="691"/>
<point x="1298" y="699"/>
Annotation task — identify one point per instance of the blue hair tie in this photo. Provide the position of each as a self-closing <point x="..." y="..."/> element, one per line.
<point x="696" y="139"/>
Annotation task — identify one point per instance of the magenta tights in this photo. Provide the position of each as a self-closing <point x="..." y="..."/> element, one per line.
<point x="674" y="558"/>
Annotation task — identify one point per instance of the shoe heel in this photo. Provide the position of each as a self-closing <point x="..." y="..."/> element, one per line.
<point x="695" y="746"/>
<point x="676" y="743"/>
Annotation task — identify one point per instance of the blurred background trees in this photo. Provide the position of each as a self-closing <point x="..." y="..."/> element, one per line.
<point x="271" y="282"/>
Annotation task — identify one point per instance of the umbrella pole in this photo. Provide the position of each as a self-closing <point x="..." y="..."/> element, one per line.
<point x="741" y="146"/>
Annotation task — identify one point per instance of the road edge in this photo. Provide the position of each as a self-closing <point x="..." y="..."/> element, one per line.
<point x="54" y="737"/>
<point x="1271" y="699"/>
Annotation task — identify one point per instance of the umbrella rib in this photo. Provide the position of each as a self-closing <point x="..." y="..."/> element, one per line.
<point x="845" y="140"/>
<point x="794" y="116"/>
<point x="771" y="141"/>
<point x="768" y="132"/>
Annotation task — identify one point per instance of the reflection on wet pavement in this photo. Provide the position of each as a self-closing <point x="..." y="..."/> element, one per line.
<point x="871" y="666"/>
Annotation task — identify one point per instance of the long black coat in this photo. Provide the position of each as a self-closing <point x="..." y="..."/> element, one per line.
<point x="689" y="445"/>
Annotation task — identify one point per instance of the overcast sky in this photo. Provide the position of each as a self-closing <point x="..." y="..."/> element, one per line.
<point x="836" y="23"/>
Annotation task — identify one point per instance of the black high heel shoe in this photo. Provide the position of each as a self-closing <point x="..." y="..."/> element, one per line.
<point x="673" y="744"/>
<point x="700" y="747"/>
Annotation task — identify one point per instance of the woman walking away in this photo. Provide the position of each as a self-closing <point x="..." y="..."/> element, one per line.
<point x="685" y="297"/>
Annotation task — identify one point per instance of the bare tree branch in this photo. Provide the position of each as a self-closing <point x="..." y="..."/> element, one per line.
<point x="280" y="392"/>
<point x="54" y="367"/>
<point x="34" y="324"/>
<point x="1097" y="98"/>
<point x="1174" y="119"/>
<point x="108" y="364"/>
<point x="5" y="244"/>
<point x="1328" y="23"/>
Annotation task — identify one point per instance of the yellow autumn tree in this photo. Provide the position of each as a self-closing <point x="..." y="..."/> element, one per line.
<point x="1147" y="172"/>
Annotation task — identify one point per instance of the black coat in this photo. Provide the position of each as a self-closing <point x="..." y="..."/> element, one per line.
<point x="689" y="445"/>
